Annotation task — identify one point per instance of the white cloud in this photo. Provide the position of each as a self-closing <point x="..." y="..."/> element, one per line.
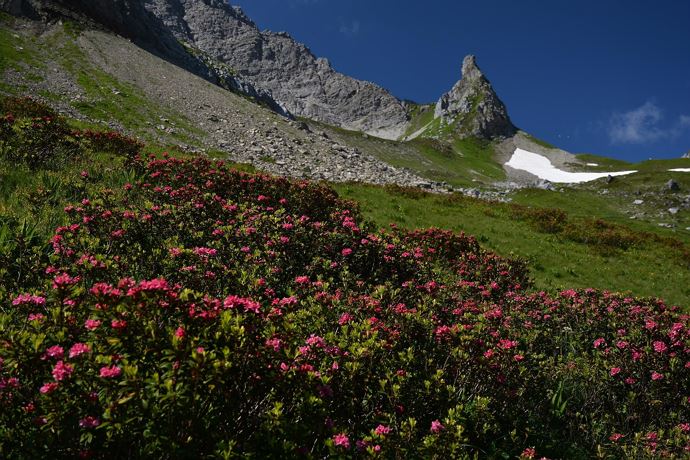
<point x="351" y="29"/>
<point x="643" y="125"/>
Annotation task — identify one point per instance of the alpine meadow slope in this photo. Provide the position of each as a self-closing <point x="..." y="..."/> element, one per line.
<point x="172" y="285"/>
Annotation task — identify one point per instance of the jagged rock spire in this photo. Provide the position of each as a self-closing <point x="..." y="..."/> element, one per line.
<point x="473" y="107"/>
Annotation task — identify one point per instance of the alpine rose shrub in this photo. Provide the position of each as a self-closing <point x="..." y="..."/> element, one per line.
<point x="211" y="313"/>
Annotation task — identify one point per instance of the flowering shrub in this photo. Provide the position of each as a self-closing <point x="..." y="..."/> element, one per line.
<point x="214" y="313"/>
<point x="34" y="135"/>
<point x="111" y="142"/>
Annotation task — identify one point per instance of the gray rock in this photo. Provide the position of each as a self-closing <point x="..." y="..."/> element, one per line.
<point x="302" y="83"/>
<point x="672" y="185"/>
<point x="673" y="211"/>
<point x="545" y="185"/>
<point x="638" y="202"/>
<point x="687" y="155"/>
<point x="473" y="107"/>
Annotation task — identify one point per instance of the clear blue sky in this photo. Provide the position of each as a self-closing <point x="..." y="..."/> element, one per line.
<point x="606" y="77"/>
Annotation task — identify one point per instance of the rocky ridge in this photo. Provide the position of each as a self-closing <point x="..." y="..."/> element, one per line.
<point x="472" y="106"/>
<point x="304" y="84"/>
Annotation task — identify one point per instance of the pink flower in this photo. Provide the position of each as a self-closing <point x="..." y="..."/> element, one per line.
<point x="345" y="318"/>
<point x="89" y="422"/>
<point x="657" y="376"/>
<point x="274" y="343"/>
<point x="518" y="358"/>
<point x="529" y="452"/>
<point x="55" y="351"/>
<point x="180" y="333"/>
<point x="316" y="341"/>
<point x="302" y="280"/>
<point x="48" y="388"/>
<point x="341" y="440"/>
<point x="200" y="350"/>
<point x="118" y="324"/>
<point x="29" y="299"/>
<point x="382" y="430"/>
<point x="615" y="371"/>
<point x="660" y="347"/>
<point x="36" y="317"/>
<point x="92" y="324"/>
<point x="346" y="252"/>
<point x="78" y="349"/>
<point x="615" y="437"/>
<point x="61" y="371"/>
<point x="599" y="342"/>
<point x="437" y="427"/>
<point x="110" y="372"/>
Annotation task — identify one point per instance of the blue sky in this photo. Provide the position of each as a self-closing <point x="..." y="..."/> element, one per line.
<point x="607" y="77"/>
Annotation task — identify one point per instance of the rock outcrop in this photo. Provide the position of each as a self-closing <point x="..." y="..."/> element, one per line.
<point x="304" y="84"/>
<point x="473" y="107"/>
<point x="130" y="19"/>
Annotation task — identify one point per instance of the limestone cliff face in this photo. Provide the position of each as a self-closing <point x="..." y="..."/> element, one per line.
<point x="473" y="107"/>
<point x="306" y="85"/>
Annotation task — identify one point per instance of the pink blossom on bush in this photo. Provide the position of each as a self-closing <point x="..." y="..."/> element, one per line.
<point x="55" y="351"/>
<point x="92" y="324"/>
<point x="78" y="349"/>
<point x="48" y="388"/>
<point x="344" y="319"/>
<point x="437" y="426"/>
<point x="110" y="371"/>
<point x="660" y="347"/>
<point x="61" y="371"/>
<point x="89" y="422"/>
<point x="382" y="430"/>
<point x="341" y="440"/>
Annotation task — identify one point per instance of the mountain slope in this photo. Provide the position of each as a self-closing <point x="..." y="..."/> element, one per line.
<point x="308" y="86"/>
<point x="101" y="79"/>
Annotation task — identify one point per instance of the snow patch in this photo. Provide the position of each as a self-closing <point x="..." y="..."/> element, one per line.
<point x="680" y="169"/>
<point x="592" y="164"/>
<point x="542" y="167"/>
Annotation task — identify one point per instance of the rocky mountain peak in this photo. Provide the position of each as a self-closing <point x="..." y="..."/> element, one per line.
<point x="473" y="107"/>
<point x="470" y="70"/>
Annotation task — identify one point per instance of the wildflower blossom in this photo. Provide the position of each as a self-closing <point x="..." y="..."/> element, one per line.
<point x="61" y="371"/>
<point x="110" y="372"/>
<point x="437" y="426"/>
<point x="341" y="440"/>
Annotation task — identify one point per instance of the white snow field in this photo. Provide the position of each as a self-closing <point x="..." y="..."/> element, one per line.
<point x="542" y="167"/>
<point x="680" y="169"/>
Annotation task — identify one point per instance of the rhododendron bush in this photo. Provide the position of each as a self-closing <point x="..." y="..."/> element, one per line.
<point x="210" y="313"/>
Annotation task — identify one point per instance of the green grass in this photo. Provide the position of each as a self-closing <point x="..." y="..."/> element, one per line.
<point x="107" y="98"/>
<point x="557" y="262"/>
<point x="16" y="51"/>
<point x="420" y="116"/>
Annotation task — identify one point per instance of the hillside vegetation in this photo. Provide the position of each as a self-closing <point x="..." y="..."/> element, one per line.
<point x="184" y="308"/>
